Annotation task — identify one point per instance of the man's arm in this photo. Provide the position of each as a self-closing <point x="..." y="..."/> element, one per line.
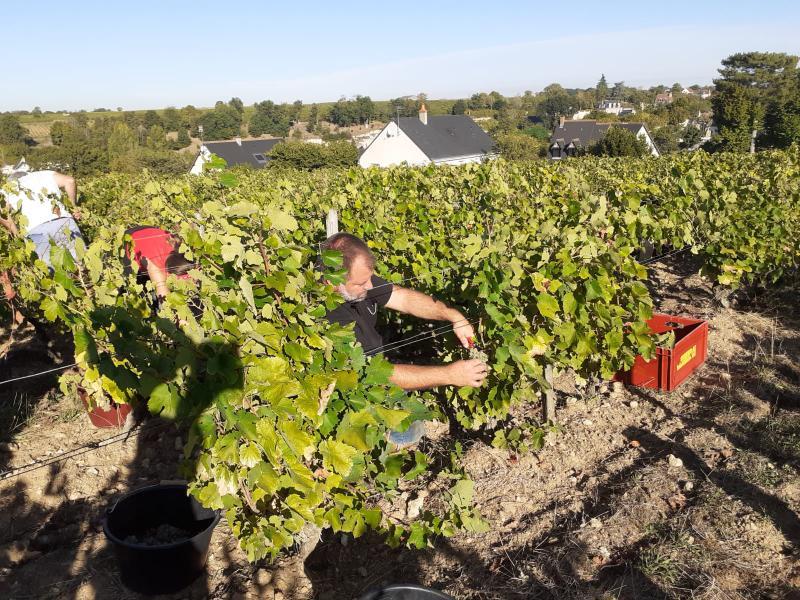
<point x="10" y="226"/>
<point x="159" y="279"/>
<point x="421" y="305"/>
<point x="8" y="223"/>
<point x="461" y="373"/>
<point x="69" y="185"/>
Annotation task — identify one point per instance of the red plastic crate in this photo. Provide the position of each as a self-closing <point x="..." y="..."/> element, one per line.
<point x="671" y="366"/>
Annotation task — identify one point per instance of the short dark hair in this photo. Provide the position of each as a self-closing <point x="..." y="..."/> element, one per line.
<point x="177" y="263"/>
<point x="351" y="248"/>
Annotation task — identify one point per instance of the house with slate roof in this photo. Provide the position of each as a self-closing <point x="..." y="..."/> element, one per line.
<point x="236" y="152"/>
<point x="441" y="140"/>
<point x="571" y="137"/>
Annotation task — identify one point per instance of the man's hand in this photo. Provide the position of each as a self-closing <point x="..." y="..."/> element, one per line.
<point x="467" y="373"/>
<point x="9" y="225"/>
<point x="463" y="329"/>
<point x="8" y="288"/>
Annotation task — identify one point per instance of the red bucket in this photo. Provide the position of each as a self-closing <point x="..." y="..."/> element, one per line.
<point x="106" y="417"/>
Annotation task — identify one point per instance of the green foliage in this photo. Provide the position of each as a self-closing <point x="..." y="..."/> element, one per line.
<point x="602" y="116"/>
<point x="76" y="153"/>
<point x="518" y="146"/>
<point x="601" y="89"/>
<point x="159" y="162"/>
<point x="666" y="138"/>
<point x="751" y="86"/>
<point x="313" y="119"/>
<point x="189" y="117"/>
<point x="690" y="136"/>
<point x="12" y="131"/>
<point x="121" y="141"/>
<point x="618" y="141"/>
<point x="151" y="119"/>
<point x="459" y="108"/>
<point x="59" y="130"/>
<point x="738" y="113"/>
<point x="171" y="119"/>
<point x="181" y="141"/>
<point x="522" y="439"/>
<point x="358" y="111"/>
<point x="269" y="118"/>
<point x="553" y="103"/>
<point x="538" y="132"/>
<point x="483" y="100"/>
<point x="330" y="136"/>
<point x="302" y="155"/>
<point x="156" y="138"/>
<point x="782" y="119"/>
<point x="222" y="123"/>
<point x="236" y="104"/>
<point x="406" y="106"/>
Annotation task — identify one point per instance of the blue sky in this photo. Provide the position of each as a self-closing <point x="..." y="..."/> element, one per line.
<point x="149" y="54"/>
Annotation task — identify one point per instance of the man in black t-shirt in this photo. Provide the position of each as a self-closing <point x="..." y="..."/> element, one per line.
<point x="364" y="293"/>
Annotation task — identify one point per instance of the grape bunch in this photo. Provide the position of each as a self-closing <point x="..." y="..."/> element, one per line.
<point x="475" y="352"/>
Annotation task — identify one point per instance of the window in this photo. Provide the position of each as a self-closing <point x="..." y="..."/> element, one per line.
<point x="260" y="158"/>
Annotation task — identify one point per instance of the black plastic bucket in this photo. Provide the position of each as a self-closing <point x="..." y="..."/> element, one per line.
<point x="167" y="567"/>
<point x="405" y="592"/>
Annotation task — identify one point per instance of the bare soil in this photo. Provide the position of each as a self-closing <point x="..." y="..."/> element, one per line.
<point x="640" y="494"/>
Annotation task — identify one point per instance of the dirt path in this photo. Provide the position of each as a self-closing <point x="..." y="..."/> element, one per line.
<point x="641" y="494"/>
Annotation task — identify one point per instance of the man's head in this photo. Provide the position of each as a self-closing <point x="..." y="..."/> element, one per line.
<point x="358" y="262"/>
<point x="177" y="263"/>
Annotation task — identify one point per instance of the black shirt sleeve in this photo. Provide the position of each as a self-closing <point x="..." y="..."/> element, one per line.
<point x="381" y="290"/>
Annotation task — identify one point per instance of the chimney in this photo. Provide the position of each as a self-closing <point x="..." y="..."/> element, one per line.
<point x="423" y="114"/>
<point x="561" y="120"/>
<point x="238" y="140"/>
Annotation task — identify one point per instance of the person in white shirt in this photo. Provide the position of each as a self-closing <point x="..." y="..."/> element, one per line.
<point x="38" y="198"/>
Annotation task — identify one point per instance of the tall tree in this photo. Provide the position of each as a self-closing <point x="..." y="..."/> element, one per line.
<point x="11" y="130"/>
<point x="602" y="88"/>
<point x="189" y="116"/>
<point x="183" y="139"/>
<point x="269" y="118"/>
<point x="58" y="130"/>
<point x="222" y="123"/>
<point x="459" y="108"/>
<point x="313" y="118"/>
<point x="406" y="106"/>
<point x="352" y="112"/>
<point x="157" y="138"/>
<point x="748" y="87"/>
<point x="554" y="102"/>
<point x="236" y="104"/>
<point x="151" y="118"/>
<point x="171" y="119"/>
<point x="782" y="119"/>
<point x="618" y="141"/>
<point x="121" y="141"/>
<point x="294" y="111"/>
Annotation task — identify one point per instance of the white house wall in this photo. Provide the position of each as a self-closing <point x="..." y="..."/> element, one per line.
<point x="389" y="148"/>
<point x="202" y="158"/>
<point x="642" y="133"/>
